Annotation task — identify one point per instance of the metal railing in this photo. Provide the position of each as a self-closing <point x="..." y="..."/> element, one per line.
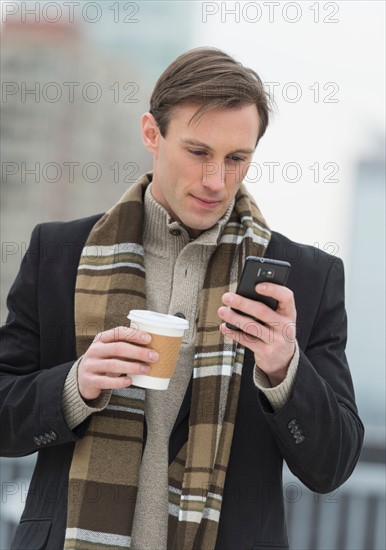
<point x="350" y="518"/>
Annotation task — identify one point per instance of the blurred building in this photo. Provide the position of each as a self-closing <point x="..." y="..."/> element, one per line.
<point x="70" y="131"/>
<point x="366" y="289"/>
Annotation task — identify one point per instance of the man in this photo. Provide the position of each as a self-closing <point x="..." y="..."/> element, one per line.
<point x="198" y="465"/>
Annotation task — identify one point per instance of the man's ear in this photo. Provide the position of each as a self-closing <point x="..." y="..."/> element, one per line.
<point x="150" y="132"/>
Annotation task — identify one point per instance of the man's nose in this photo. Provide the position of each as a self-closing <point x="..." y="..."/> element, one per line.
<point x="213" y="175"/>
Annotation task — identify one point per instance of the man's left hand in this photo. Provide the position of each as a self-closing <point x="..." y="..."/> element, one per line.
<point x="272" y="340"/>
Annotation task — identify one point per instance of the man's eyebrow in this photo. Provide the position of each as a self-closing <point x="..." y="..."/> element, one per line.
<point x="198" y="143"/>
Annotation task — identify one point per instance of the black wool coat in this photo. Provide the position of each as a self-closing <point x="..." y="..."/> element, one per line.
<point x="38" y="350"/>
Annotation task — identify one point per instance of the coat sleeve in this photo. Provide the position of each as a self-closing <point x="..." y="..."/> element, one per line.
<point x="30" y="395"/>
<point x="318" y="431"/>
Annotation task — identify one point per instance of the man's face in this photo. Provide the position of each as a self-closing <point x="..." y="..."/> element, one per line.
<point x="198" y="167"/>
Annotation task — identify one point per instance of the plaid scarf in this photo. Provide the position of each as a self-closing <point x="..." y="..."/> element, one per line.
<point x="105" y="468"/>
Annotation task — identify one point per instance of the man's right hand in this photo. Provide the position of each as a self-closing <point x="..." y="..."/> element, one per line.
<point x="111" y="358"/>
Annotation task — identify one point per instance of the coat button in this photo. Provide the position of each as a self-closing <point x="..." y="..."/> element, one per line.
<point x="299" y="439"/>
<point x="36" y="440"/>
<point x="295" y="428"/>
<point x="292" y="423"/>
<point x="53" y="435"/>
<point x="48" y="437"/>
<point x="298" y="434"/>
<point x="43" y="439"/>
<point x="179" y="314"/>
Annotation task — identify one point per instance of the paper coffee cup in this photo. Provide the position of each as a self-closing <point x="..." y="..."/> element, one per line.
<point x="167" y="332"/>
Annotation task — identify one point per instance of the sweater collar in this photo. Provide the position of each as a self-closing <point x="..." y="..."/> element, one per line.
<point x="161" y="229"/>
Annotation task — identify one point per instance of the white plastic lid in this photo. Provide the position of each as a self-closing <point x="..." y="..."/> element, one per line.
<point x="154" y="319"/>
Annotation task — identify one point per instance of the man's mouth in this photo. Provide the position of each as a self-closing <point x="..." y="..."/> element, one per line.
<point x="206" y="203"/>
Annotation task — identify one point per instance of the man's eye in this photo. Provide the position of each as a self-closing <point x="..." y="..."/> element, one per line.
<point x="197" y="152"/>
<point x="236" y="158"/>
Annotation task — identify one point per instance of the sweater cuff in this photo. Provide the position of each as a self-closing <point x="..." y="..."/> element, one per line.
<point x="280" y="394"/>
<point x="75" y="409"/>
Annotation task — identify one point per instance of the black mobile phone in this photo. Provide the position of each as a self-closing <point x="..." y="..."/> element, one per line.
<point x="261" y="270"/>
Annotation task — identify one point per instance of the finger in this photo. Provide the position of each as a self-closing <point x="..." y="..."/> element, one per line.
<point x="115" y="367"/>
<point x="252" y="308"/>
<point x="109" y="382"/>
<point x="263" y="351"/>
<point x="123" y="334"/>
<point x="242" y="322"/>
<point x="248" y="340"/>
<point x="284" y="296"/>
<point x="249" y="326"/>
<point x="124" y="351"/>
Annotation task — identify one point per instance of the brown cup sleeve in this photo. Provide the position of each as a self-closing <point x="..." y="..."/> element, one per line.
<point x="168" y="348"/>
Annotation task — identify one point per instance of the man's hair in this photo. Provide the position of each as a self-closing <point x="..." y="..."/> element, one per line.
<point x="213" y="80"/>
